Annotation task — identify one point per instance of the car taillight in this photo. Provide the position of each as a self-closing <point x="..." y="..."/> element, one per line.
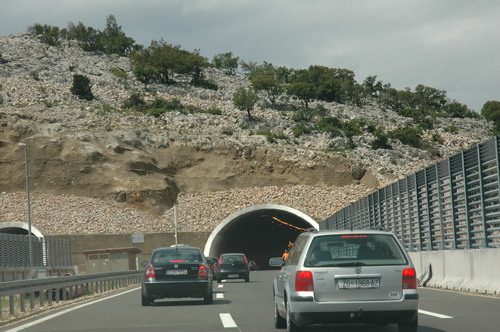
<point x="409" y="279"/>
<point x="220" y="262"/>
<point x="202" y="271"/>
<point x="304" y="281"/>
<point x="150" y="273"/>
<point x="246" y="261"/>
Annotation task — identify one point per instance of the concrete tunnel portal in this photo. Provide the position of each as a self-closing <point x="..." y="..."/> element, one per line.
<point x="259" y="231"/>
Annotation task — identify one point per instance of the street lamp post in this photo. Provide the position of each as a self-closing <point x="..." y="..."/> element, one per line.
<point x="30" y="241"/>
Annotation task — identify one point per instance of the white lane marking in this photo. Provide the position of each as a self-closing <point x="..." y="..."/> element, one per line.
<point x="44" y="319"/>
<point x="227" y="321"/>
<point x="433" y="314"/>
<point x="220" y="286"/>
<point x="219" y="296"/>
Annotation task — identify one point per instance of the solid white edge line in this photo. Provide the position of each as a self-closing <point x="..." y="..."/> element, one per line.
<point x="44" y="319"/>
<point x="227" y="321"/>
<point x="433" y="314"/>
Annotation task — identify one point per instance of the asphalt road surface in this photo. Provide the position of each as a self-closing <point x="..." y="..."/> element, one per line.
<point x="248" y="307"/>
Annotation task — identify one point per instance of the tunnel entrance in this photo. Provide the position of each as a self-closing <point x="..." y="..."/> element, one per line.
<point x="260" y="232"/>
<point x="19" y="228"/>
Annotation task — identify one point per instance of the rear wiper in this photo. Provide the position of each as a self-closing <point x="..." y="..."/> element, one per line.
<point x="345" y="264"/>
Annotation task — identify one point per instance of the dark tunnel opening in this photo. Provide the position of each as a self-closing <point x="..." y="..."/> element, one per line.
<point x="259" y="234"/>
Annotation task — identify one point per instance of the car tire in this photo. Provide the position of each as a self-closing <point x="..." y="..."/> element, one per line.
<point x="209" y="297"/>
<point x="279" y="322"/>
<point x="219" y="280"/>
<point x="409" y="325"/>
<point x="290" y="324"/>
<point x="247" y="279"/>
<point x="146" y="300"/>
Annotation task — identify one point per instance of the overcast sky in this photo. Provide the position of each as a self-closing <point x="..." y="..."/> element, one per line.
<point x="452" y="45"/>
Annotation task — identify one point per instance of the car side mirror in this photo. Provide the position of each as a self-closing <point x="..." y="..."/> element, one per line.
<point x="276" y="262"/>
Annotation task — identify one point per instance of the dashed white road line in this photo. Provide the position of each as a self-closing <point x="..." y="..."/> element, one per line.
<point x="433" y="314"/>
<point x="227" y="321"/>
<point x="220" y="286"/>
<point x="219" y="295"/>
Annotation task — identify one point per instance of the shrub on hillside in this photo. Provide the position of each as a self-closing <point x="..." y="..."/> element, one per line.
<point x="81" y="87"/>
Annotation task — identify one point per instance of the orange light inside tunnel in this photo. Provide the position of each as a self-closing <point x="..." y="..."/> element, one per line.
<point x="289" y="225"/>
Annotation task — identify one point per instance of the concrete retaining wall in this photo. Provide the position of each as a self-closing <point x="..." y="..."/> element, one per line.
<point x="473" y="270"/>
<point x="144" y="242"/>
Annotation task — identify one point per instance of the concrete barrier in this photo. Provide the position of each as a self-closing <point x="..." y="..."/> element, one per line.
<point x="473" y="270"/>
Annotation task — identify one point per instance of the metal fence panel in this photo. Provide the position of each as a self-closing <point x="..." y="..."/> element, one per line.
<point x="453" y="204"/>
<point x="14" y="251"/>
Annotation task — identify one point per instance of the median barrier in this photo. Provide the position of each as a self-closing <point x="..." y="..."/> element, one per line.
<point x="472" y="270"/>
<point x="486" y="271"/>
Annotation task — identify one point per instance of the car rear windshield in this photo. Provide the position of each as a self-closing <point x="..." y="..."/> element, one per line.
<point x="232" y="259"/>
<point x="178" y="256"/>
<point x="355" y="250"/>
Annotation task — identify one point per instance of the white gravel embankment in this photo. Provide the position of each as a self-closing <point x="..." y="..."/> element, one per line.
<point x="201" y="212"/>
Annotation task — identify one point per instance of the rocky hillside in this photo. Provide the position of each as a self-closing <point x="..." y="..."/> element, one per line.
<point x="96" y="168"/>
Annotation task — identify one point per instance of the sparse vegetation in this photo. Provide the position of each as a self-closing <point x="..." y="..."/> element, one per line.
<point x="81" y="87"/>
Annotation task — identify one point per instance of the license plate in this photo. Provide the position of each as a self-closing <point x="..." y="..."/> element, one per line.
<point x="233" y="275"/>
<point x="176" y="272"/>
<point x="359" y="283"/>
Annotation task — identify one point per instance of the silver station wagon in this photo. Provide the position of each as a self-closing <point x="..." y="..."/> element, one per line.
<point x="356" y="276"/>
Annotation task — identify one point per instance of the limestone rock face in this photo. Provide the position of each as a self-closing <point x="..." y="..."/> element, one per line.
<point x="93" y="153"/>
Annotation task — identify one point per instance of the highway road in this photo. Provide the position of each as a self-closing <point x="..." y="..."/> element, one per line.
<point x="248" y="307"/>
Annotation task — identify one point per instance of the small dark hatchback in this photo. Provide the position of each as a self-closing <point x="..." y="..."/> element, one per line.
<point x="175" y="272"/>
<point x="233" y="266"/>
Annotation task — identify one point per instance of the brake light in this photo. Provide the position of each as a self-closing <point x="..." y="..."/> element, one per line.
<point x="150" y="273"/>
<point x="352" y="236"/>
<point x="220" y="262"/>
<point x="202" y="271"/>
<point x="246" y="261"/>
<point x="303" y="281"/>
<point x="176" y="261"/>
<point x="409" y="279"/>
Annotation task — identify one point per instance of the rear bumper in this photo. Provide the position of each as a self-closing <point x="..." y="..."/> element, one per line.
<point x="224" y="274"/>
<point x="310" y="312"/>
<point x="387" y="317"/>
<point x="165" y="289"/>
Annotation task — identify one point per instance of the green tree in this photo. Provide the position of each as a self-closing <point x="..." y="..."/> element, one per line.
<point x="165" y="59"/>
<point x="191" y="63"/>
<point x="142" y="66"/>
<point x="81" y="87"/>
<point x="245" y="100"/>
<point x="458" y="110"/>
<point x="303" y="91"/>
<point x="48" y="34"/>
<point x="87" y="37"/>
<point x="113" y="39"/>
<point x="265" y="78"/>
<point x="226" y="62"/>
<point x="491" y="111"/>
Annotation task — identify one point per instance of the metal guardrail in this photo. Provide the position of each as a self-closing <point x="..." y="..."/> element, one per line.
<point x="47" y="291"/>
<point x="453" y="204"/>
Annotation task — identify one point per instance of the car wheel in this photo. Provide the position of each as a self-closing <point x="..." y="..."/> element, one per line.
<point x="279" y="322"/>
<point x="146" y="300"/>
<point x="410" y="325"/>
<point x="290" y="324"/>
<point x="247" y="279"/>
<point x="209" y="297"/>
<point x="219" y="280"/>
